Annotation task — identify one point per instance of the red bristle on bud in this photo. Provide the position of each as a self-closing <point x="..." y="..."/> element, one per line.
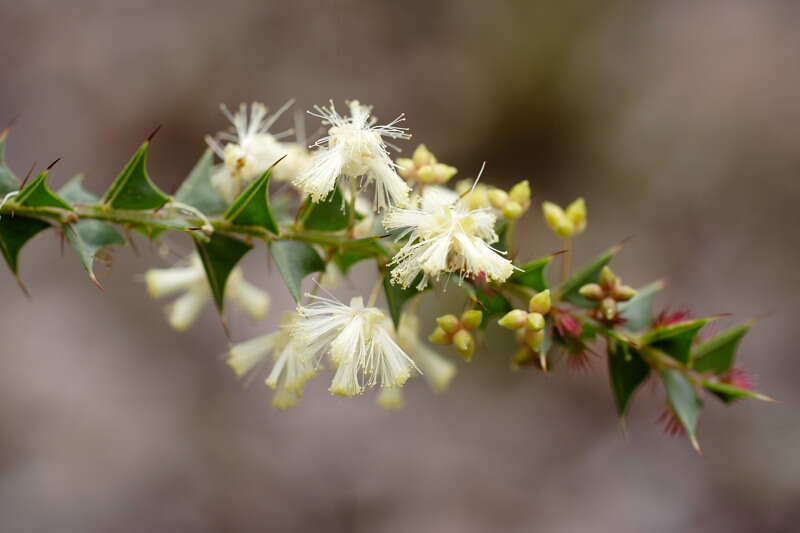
<point x="672" y="425"/>
<point x="667" y="317"/>
<point x="738" y="378"/>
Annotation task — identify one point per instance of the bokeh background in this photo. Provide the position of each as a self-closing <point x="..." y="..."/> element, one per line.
<point x="679" y="123"/>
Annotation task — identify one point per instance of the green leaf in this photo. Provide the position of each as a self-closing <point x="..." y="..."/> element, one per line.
<point x="489" y="300"/>
<point x="533" y="275"/>
<point x="675" y="340"/>
<point x="252" y="207"/>
<point x="590" y="274"/>
<point x="627" y="371"/>
<point x="133" y="189"/>
<point x="220" y="254"/>
<point x="502" y="237"/>
<point x="729" y="393"/>
<point x="331" y="214"/>
<point x="38" y="194"/>
<point x="718" y="354"/>
<point x="684" y="402"/>
<point x="197" y="190"/>
<point x="397" y="297"/>
<point x="8" y="181"/>
<point x="15" y="231"/>
<point x="638" y="311"/>
<point x="295" y="261"/>
<point x="87" y="237"/>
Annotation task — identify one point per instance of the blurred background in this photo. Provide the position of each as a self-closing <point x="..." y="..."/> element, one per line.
<point x="678" y="121"/>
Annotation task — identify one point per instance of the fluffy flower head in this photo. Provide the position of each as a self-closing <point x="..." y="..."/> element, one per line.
<point x="445" y="236"/>
<point x="353" y="148"/>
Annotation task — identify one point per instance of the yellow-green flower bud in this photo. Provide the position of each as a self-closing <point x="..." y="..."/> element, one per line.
<point x="535" y="321"/>
<point x="623" y="293"/>
<point x="443" y="173"/>
<point x="448" y="323"/>
<point x="471" y="319"/>
<point x="512" y="210"/>
<point x="521" y="357"/>
<point x="405" y="167"/>
<point x="608" y="308"/>
<point x="514" y="319"/>
<point x="535" y="339"/>
<point x="521" y="193"/>
<point x="464" y="344"/>
<point x="576" y="213"/>
<point x="422" y="156"/>
<point x="557" y="219"/>
<point x="607" y="278"/>
<point x="440" y="336"/>
<point x="498" y="198"/>
<point x="540" y="303"/>
<point x="592" y="291"/>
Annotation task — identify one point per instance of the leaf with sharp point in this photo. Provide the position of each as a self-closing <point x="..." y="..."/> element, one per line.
<point x="8" y="181"/>
<point x="15" y="232"/>
<point x="675" y="340"/>
<point x="730" y="393"/>
<point x="295" y="261"/>
<point x="219" y="255"/>
<point x="197" y="190"/>
<point x="718" y="353"/>
<point x="685" y="402"/>
<point x="38" y="194"/>
<point x="133" y="189"/>
<point x="627" y="371"/>
<point x="590" y="274"/>
<point x="638" y="311"/>
<point x="488" y="300"/>
<point x="533" y="274"/>
<point x="331" y="214"/>
<point x="397" y="297"/>
<point x="252" y="208"/>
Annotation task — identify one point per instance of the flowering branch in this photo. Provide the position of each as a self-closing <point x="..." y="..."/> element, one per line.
<point x="418" y="232"/>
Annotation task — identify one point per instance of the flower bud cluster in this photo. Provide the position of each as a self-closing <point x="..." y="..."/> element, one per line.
<point x="423" y="167"/>
<point x="607" y="292"/>
<point x="529" y="326"/>
<point x="513" y="203"/>
<point x="566" y="222"/>
<point x="455" y="331"/>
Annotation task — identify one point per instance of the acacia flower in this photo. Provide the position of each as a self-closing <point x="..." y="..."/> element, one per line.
<point x="358" y="342"/>
<point x="250" y="149"/>
<point x="191" y="280"/>
<point x="445" y="237"/>
<point x="354" y="148"/>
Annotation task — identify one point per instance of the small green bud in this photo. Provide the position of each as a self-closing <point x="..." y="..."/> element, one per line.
<point x="535" y="339"/>
<point x="498" y="198"/>
<point x="471" y="319"/>
<point x="607" y="278"/>
<point x="535" y="321"/>
<point x="422" y="156"/>
<point x="449" y="323"/>
<point x="512" y="210"/>
<point x="608" y="308"/>
<point x="623" y="293"/>
<point x="522" y="356"/>
<point x="440" y="336"/>
<point x="521" y="193"/>
<point x="592" y="291"/>
<point x="464" y="344"/>
<point x="540" y="303"/>
<point x="514" y="319"/>
<point x="555" y="217"/>
<point x="405" y="167"/>
<point x="436" y="173"/>
<point x="576" y="213"/>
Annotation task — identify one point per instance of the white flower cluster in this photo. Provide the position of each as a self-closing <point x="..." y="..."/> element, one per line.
<point x="359" y="342"/>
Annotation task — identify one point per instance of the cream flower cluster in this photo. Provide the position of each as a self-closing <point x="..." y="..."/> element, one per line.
<point x="249" y="150"/>
<point x="355" y="148"/>
<point x="191" y="281"/>
<point x="444" y="235"/>
<point x="360" y="344"/>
